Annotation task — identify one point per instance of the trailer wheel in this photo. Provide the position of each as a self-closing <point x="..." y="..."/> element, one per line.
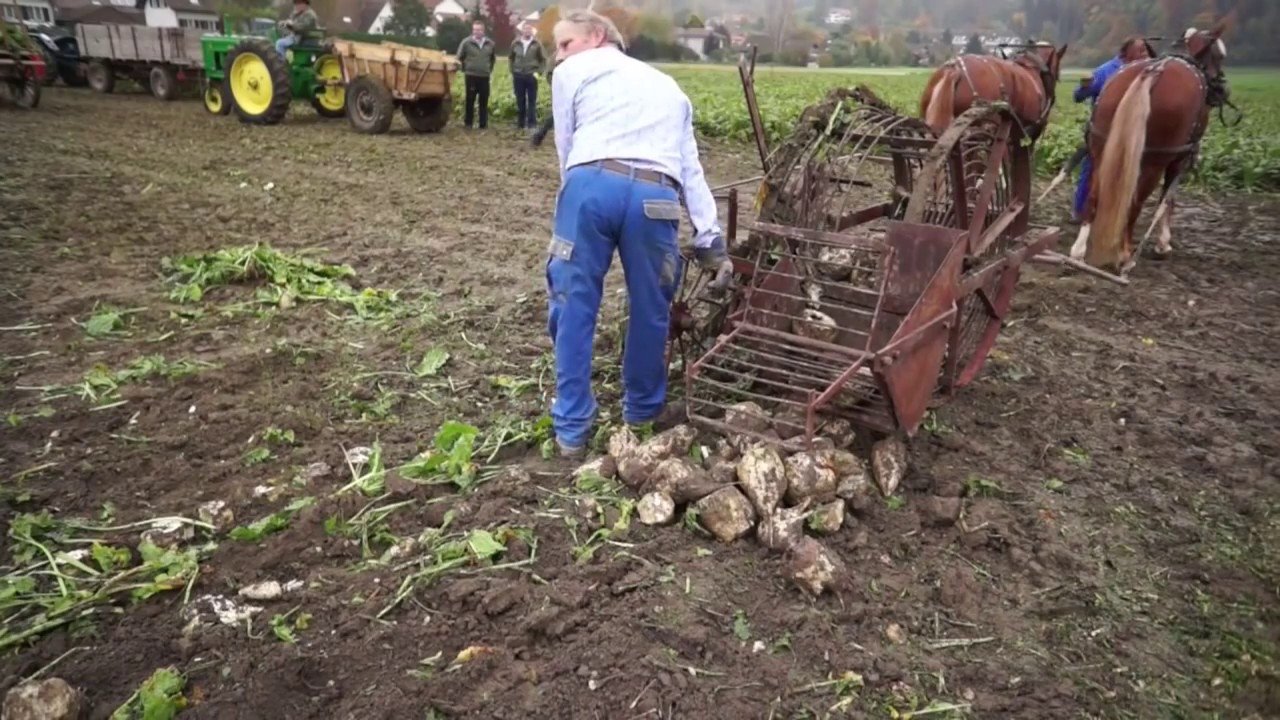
<point x="428" y="115"/>
<point x="101" y="77"/>
<point x="217" y="98"/>
<point x="330" y="100"/>
<point x="164" y="82"/>
<point x="369" y="105"/>
<point x="258" y="79"/>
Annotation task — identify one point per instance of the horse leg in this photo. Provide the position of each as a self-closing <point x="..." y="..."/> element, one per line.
<point x="1148" y="178"/>
<point x="1164" y="246"/>
<point x="1089" y="207"/>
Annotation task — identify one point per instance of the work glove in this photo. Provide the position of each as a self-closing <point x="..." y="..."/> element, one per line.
<point x="716" y="258"/>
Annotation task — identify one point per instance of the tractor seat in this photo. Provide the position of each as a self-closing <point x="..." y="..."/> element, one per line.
<point x="313" y="40"/>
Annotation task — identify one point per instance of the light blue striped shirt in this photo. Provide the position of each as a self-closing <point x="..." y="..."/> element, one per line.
<point x="608" y="106"/>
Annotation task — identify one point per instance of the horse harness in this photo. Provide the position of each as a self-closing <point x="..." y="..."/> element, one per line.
<point x="1157" y="67"/>
<point x="1046" y="83"/>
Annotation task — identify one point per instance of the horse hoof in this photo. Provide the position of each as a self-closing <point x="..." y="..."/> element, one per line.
<point x="1155" y="254"/>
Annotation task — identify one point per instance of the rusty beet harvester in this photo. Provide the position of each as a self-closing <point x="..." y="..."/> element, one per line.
<point x="857" y="304"/>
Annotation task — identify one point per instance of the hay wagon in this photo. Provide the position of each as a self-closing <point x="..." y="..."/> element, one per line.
<point x="379" y="78"/>
<point x="875" y="277"/>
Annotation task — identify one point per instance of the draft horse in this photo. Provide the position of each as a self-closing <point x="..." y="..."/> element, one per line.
<point x="1027" y="81"/>
<point x="1146" y="127"/>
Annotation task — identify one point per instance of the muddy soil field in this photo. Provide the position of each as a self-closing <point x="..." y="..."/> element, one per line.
<point x="1118" y="554"/>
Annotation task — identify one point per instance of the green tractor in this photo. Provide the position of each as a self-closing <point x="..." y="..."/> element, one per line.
<point x="246" y="73"/>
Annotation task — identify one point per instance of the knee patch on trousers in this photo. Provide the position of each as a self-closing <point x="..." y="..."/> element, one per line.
<point x="561" y="250"/>
<point x="668" y="275"/>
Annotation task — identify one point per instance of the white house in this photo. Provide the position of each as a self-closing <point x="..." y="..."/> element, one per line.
<point x="379" y="24"/>
<point x="839" y="16"/>
<point x="33" y="11"/>
<point x="197" y="14"/>
<point x="449" y="9"/>
<point x="693" y="38"/>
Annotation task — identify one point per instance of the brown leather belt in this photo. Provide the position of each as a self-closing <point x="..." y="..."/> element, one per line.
<point x="649" y="176"/>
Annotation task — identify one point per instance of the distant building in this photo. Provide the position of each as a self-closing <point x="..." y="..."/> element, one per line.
<point x="195" y="14"/>
<point x="839" y="16"/>
<point x="31" y="11"/>
<point x="694" y="39"/>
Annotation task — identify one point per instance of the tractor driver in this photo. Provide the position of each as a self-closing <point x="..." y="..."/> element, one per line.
<point x="292" y="30"/>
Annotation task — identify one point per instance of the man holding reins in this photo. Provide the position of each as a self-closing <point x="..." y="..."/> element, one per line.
<point x="1133" y="49"/>
<point x="624" y="135"/>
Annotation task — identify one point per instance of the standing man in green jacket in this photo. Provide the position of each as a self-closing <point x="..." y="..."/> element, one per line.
<point x="527" y="61"/>
<point x="477" y="55"/>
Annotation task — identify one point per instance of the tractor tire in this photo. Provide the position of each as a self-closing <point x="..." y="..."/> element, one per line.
<point x="101" y="77"/>
<point x="50" y="67"/>
<point x="164" y="82"/>
<point x="428" y="115"/>
<point x="217" y="97"/>
<point x="258" y="79"/>
<point x="332" y="101"/>
<point x="369" y="105"/>
<point x="73" y="77"/>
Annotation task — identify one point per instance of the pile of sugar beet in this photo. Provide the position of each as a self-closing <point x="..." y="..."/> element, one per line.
<point x="743" y="485"/>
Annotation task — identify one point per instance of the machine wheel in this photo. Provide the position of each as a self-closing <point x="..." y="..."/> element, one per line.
<point x="217" y="99"/>
<point x="369" y="105"/>
<point x="982" y="142"/>
<point x="101" y="77"/>
<point x="26" y="90"/>
<point x="258" y="82"/>
<point x="164" y="82"/>
<point x="428" y="115"/>
<point x="332" y="100"/>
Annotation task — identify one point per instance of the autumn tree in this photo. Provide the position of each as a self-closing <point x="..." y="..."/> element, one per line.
<point x="625" y="20"/>
<point x="409" y="18"/>
<point x="547" y="26"/>
<point x="500" y="27"/>
<point x="451" y="33"/>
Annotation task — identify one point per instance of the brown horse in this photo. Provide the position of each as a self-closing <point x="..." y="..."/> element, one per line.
<point x="1147" y="127"/>
<point x="1028" y="82"/>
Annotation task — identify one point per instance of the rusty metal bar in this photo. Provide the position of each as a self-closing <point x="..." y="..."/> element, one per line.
<point x="997" y="228"/>
<point x="753" y="109"/>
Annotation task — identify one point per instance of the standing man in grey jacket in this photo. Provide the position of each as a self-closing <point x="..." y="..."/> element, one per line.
<point x="527" y="61"/>
<point x="476" y="55"/>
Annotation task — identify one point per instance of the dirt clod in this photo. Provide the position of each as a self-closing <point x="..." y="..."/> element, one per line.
<point x="814" y="568"/>
<point x="934" y="510"/>
<point x="50" y="699"/>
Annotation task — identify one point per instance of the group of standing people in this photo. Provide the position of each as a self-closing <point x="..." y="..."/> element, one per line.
<point x="477" y="56"/>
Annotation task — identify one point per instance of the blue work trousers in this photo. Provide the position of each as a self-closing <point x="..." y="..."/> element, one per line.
<point x="599" y="211"/>
<point x="284" y="43"/>
<point x="1082" y="188"/>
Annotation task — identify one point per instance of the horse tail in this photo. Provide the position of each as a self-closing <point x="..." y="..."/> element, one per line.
<point x="941" y="103"/>
<point x="1121" y="160"/>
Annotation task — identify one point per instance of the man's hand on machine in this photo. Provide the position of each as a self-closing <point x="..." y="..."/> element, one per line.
<point x="716" y="258"/>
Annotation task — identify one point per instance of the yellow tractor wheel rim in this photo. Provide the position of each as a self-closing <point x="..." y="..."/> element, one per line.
<point x="213" y="99"/>
<point x="251" y="84"/>
<point x="328" y="68"/>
